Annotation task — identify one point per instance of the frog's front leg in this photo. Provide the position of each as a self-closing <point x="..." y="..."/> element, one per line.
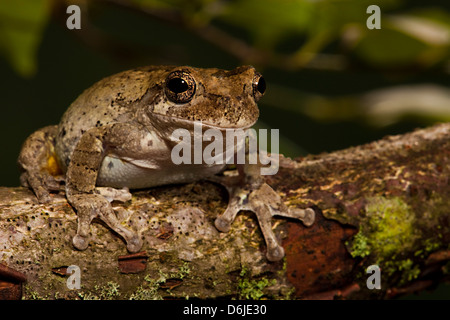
<point x="248" y="191"/>
<point x="91" y="202"/>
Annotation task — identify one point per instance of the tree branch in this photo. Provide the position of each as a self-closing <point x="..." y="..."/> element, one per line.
<point x="384" y="203"/>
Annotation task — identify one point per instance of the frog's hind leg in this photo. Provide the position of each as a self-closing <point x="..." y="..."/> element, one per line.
<point x="38" y="164"/>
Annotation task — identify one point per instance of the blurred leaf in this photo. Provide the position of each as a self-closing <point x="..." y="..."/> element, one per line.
<point x="422" y="39"/>
<point x="21" y="26"/>
<point x="268" y="20"/>
<point x="424" y="29"/>
<point x="333" y="15"/>
<point x="438" y="15"/>
<point x="403" y="49"/>
<point x="320" y="22"/>
<point x="427" y="102"/>
<point x="157" y="3"/>
<point x="419" y="38"/>
<point x="433" y="33"/>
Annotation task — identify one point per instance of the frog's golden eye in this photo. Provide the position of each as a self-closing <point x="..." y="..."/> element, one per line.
<point x="259" y="86"/>
<point x="180" y="87"/>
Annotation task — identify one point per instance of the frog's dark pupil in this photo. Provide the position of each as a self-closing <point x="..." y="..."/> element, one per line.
<point x="261" y="85"/>
<point x="177" y="85"/>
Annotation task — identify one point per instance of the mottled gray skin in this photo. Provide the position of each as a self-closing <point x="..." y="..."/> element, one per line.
<point x="117" y="135"/>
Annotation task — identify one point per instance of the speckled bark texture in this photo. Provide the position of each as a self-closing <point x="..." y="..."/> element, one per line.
<point x="384" y="203"/>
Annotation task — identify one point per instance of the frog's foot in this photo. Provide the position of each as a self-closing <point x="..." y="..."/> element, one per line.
<point x="91" y="206"/>
<point x="265" y="203"/>
<point x="42" y="184"/>
<point x="113" y="194"/>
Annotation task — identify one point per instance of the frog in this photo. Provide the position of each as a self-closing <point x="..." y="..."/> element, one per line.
<point x="117" y="136"/>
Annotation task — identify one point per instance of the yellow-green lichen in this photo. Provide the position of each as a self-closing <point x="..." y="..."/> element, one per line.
<point x="183" y="272"/>
<point x="30" y="294"/>
<point x="149" y="290"/>
<point x="109" y="291"/>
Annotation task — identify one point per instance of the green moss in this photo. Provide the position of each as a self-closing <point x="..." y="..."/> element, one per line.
<point x="410" y="271"/>
<point x="387" y="236"/>
<point x="392" y="225"/>
<point x="429" y="245"/>
<point x="252" y="288"/>
<point x="360" y="246"/>
<point x="289" y="294"/>
<point x="387" y="232"/>
<point x="244" y="271"/>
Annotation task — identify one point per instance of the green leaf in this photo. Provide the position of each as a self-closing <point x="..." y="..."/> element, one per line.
<point x="411" y="40"/>
<point x="403" y="49"/>
<point x="268" y="20"/>
<point x="21" y="27"/>
<point x="156" y="4"/>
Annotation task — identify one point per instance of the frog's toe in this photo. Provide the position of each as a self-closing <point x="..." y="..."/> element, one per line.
<point x="54" y="183"/>
<point x="39" y="189"/>
<point x="43" y="196"/>
<point x="223" y="221"/>
<point x="132" y="238"/>
<point x="112" y="194"/>
<point x="275" y="254"/>
<point x="80" y="242"/>
<point x="134" y="244"/>
<point x="222" y="224"/>
<point x="307" y="216"/>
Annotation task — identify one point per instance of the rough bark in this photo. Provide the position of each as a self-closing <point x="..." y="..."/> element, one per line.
<point x="384" y="203"/>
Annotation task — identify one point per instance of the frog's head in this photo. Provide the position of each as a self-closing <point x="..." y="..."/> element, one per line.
<point x="219" y="98"/>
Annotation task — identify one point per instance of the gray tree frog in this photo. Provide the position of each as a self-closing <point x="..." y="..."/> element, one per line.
<point x="116" y="136"/>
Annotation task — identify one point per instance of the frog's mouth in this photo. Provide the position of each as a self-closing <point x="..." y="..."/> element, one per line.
<point x="178" y="122"/>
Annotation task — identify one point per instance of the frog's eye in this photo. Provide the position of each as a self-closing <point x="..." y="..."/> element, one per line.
<point x="259" y="86"/>
<point x="180" y="87"/>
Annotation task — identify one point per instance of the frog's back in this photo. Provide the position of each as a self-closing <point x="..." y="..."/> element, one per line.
<point x="110" y="100"/>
